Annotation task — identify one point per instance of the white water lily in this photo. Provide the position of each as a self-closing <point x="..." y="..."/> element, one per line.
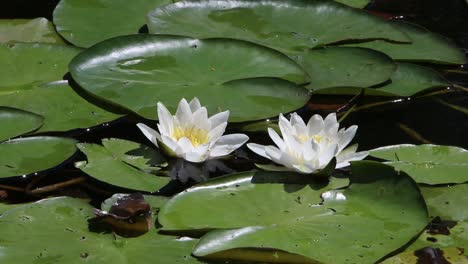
<point x="191" y="135"/>
<point x="309" y="148"/>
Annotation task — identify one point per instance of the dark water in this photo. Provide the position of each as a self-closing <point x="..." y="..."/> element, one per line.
<point x="407" y="120"/>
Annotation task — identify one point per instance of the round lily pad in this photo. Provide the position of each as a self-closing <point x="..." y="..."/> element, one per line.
<point x="85" y="23"/>
<point x="26" y="65"/>
<point x="429" y="164"/>
<point x="48" y="101"/>
<point x="64" y="222"/>
<point x="286" y="25"/>
<point x="124" y="164"/>
<point x="15" y="122"/>
<point x="28" y="30"/>
<point x="24" y="156"/>
<point x="137" y="71"/>
<point x="282" y="217"/>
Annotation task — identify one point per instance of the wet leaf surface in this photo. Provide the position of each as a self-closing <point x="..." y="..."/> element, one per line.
<point x="294" y="218"/>
<point x="123" y="163"/>
<point x="137" y="71"/>
<point x="429" y="164"/>
<point x="15" y="122"/>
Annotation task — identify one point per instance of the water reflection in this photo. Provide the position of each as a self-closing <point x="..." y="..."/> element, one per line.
<point x="184" y="171"/>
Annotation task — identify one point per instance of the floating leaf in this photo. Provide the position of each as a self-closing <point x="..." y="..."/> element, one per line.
<point x="28" y="30"/>
<point x="436" y="255"/>
<point x="15" y="122"/>
<point x="447" y="202"/>
<point x="34" y="154"/>
<point x="426" y="46"/>
<point x="63" y="222"/>
<point x="138" y="71"/>
<point x="292" y="218"/>
<point x="410" y="79"/>
<point x="25" y="65"/>
<point x="304" y="24"/>
<point x="443" y="234"/>
<point x="430" y="164"/>
<point x="114" y="165"/>
<point x="85" y="23"/>
<point x="355" y="3"/>
<point x="48" y="101"/>
<point x="345" y="67"/>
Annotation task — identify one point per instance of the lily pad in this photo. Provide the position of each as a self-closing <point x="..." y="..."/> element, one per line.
<point x="48" y="101"/>
<point x="15" y="122"/>
<point x="64" y="222"/>
<point x="25" y="65"/>
<point x="447" y="202"/>
<point x="24" y="156"/>
<point x="85" y="23"/>
<point x="126" y="166"/>
<point x="426" y="46"/>
<point x="281" y="217"/>
<point x="304" y="24"/>
<point x="345" y="67"/>
<point x="355" y="3"/>
<point x="443" y="236"/>
<point x="429" y="164"/>
<point x="28" y="30"/>
<point x="436" y="255"/>
<point x="137" y="71"/>
<point x="410" y="79"/>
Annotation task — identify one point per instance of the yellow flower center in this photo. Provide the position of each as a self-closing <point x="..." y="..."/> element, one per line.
<point x="304" y="137"/>
<point x="196" y="135"/>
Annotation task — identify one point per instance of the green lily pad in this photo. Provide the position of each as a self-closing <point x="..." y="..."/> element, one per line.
<point x="85" y="23"/>
<point x="452" y="254"/>
<point x="282" y="217"/>
<point x="5" y="207"/>
<point x="28" y="30"/>
<point x="128" y="165"/>
<point x="429" y="164"/>
<point x="453" y="235"/>
<point x="34" y="154"/>
<point x="304" y="24"/>
<point x="15" y="122"/>
<point x="345" y="67"/>
<point x="48" y="101"/>
<point x="138" y="71"/>
<point x="63" y="221"/>
<point x="426" y="46"/>
<point x="355" y="3"/>
<point x="447" y="202"/>
<point x="410" y="79"/>
<point x="25" y="65"/>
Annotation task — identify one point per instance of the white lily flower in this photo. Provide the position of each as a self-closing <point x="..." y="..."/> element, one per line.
<point x="309" y="148"/>
<point x="191" y="135"/>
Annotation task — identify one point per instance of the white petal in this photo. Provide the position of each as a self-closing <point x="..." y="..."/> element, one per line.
<point x="170" y="144"/>
<point x="149" y="133"/>
<point x="343" y="159"/>
<point x="327" y="154"/>
<point x="315" y="125"/>
<point x="274" y="153"/>
<point x="303" y="169"/>
<point x="194" y="104"/>
<point x="258" y="149"/>
<point x="165" y="120"/>
<point x="200" y="119"/>
<point x="346" y="137"/>
<point x="297" y="120"/>
<point x="227" y="144"/>
<point x="219" y="118"/>
<point x="216" y="133"/>
<point x="183" y="114"/>
<point x="276" y="138"/>
<point x="285" y="126"/>
<point x="198" y="154"/>
<point x="331" y="124"/>
<point x="184" y="145"/>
